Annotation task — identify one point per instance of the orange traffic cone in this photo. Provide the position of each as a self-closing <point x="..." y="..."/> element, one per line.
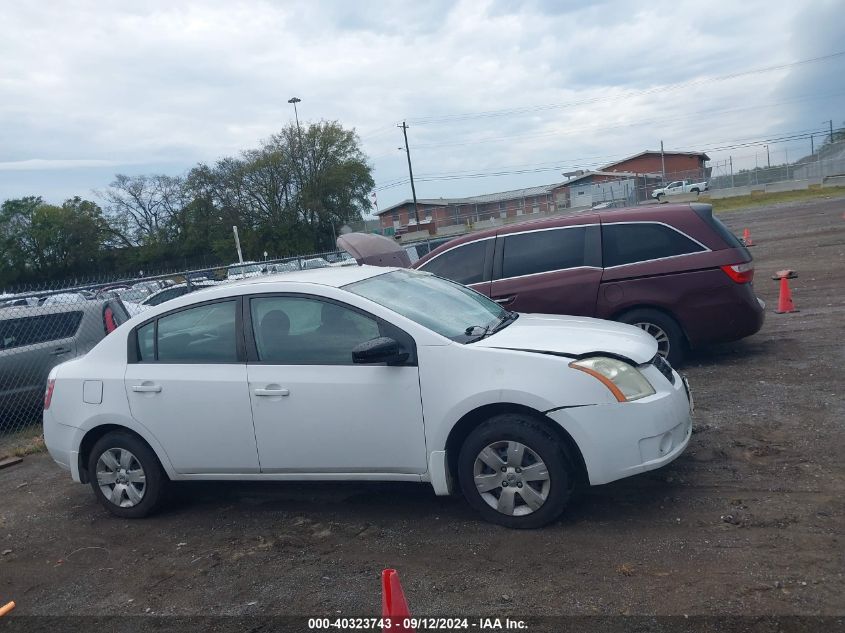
<point x="785" y="297"/>
<point x="746" y="237"/>
<point x="6" y="608"/>
<point x="394" y="607"/>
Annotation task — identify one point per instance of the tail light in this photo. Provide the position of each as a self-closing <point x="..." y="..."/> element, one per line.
<point x="740" y="273"/>
<point x="48" y="395"/>
<point x="108" y="320"/>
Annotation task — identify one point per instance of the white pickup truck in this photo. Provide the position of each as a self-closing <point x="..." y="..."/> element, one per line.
<point x="679" y="186"/>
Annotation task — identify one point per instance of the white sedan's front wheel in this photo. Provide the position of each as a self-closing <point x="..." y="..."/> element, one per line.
<point x="515" y="472"/>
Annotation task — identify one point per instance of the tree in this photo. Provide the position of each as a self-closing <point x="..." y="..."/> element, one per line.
<point x="43" y="241"/>
<point x="143" y="208"/>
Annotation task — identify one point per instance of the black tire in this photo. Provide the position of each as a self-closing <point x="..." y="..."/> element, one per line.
<point x="509" y="429"/>
<point x="695" y="191"/>
<point x="676" y="341"/>
<point x="150" y="490"/>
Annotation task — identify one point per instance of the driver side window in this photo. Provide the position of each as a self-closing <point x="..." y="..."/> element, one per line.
<point x="304" y="331"/>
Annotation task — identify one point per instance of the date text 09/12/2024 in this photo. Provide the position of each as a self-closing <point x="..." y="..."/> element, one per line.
<point x="418" y="624"/>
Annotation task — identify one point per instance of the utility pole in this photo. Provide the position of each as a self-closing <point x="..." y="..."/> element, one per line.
<point x="238" y="245"/>
<point x="768" y="158"/>
<point x="812" y="149"/>
<point x="731" y="159"/>
<point x="831" y="130"/>
<point x="662" y="163"/>
<point x="404" y="127"/>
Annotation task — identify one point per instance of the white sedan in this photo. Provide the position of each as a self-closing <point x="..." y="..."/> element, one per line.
<point x="365" y="373"/>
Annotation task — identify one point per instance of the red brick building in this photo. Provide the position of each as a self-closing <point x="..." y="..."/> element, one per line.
<point x="630" y="181"/>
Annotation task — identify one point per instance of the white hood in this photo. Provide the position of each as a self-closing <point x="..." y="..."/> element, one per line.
<point x="573" y="336"/>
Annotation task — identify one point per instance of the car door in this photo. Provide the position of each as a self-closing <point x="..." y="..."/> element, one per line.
<point x="469" y="263"/>
<point x="317" y="412"/>
<point x="186" y="382"/>
<point x="548" y="271"/>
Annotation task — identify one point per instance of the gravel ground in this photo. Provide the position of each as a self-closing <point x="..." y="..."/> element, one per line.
<point x="748" y="521"/>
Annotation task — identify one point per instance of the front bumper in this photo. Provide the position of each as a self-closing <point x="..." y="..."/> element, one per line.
<point x="623" y="439"/>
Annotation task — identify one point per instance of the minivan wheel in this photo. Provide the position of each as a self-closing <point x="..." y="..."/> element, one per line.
<point x="660" y="197"/>
<point x="125" y="474"/>
<point x="514" y="472"/>
<point x="671" y="343"/>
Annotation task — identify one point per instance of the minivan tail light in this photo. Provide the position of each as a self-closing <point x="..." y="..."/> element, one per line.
<point x="740" y="273"/>
<point x="108" y="320"/>
<point x="48" y="395"/>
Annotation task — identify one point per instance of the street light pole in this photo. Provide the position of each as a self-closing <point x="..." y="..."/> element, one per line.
<point x="294" y="101"/>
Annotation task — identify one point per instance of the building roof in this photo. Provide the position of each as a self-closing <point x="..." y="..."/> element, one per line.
<point x="653" y="151"/>
<point x="616" y="174"/>
<point x="482" y="199"/>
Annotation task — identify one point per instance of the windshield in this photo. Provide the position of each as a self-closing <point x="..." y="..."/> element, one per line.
<point x="440" y="305"/>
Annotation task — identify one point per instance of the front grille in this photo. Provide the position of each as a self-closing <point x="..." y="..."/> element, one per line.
<point x="664" y="367"/>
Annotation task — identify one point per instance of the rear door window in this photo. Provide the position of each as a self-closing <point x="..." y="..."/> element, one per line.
<point x="204" y="334"/>
<point x="543" y="251"/>
<point x="463" y="264"/>
<point x="643" y="241"/>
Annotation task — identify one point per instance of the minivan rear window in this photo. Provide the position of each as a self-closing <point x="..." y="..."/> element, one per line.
<point x="628" y="243"/>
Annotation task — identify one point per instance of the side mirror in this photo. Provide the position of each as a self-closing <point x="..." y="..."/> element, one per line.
<point x="379" y="350"/>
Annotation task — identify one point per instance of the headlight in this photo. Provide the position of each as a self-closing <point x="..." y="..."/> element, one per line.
<point x="624" y="381"/>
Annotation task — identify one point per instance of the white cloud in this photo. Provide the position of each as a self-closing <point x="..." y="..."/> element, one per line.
<point x="169" y="84"/>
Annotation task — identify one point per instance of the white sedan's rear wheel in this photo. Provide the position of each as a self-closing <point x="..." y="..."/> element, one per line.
<point x="126" y="475"/>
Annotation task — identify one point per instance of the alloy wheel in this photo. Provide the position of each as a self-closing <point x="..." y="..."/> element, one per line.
<point x="121" y="477"/>
<point x="511" y="478"/>
<point x="658" y="334"/>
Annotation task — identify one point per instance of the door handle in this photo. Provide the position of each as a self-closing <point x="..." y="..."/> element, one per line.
<point x="146" y="388"/>
<point x="272" y="392"/>
<point x="59" y="351"/>
<point x="503" y="301"/>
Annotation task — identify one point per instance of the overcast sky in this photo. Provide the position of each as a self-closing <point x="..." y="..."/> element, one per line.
<point x="90" y="88"/>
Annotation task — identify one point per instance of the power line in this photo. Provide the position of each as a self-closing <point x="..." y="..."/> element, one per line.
<point x="555" y="106"/>
<point x="595" y="128"/>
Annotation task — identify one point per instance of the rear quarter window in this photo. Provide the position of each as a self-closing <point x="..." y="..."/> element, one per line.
<point x="37" y="329"/>
<point x="642" y="241"/>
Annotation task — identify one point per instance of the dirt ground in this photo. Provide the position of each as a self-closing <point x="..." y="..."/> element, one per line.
<point x="750" y="520"/>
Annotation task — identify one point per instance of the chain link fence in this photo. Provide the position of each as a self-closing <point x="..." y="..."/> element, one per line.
<point x="45" y="325"/>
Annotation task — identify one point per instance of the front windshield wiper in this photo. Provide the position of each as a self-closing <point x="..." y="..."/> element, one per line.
<point x="472" y="331"/>
<point x="487" y="330"/>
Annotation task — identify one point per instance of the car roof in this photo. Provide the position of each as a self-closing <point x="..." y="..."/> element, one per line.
<point x="329" y="276"/>
<point x="18" y="312"/>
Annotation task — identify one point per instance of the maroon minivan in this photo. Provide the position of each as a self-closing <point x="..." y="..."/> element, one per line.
<point x="675" y="271"/>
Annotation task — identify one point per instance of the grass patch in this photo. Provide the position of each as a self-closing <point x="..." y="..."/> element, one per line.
<point x="25" y="442"/>
<point x="759" y="198"/>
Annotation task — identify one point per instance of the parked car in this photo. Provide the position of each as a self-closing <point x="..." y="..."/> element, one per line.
<point x="172" y="292"/>
<point x="33" y="339"/>
<point x="314" y="262"/>
<point x="245" y="270"/>
<point x="678" y="187"/>
<point x="675" y="271"/>
<point x="63" y="297"/>
<point x="429" y="381"/>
